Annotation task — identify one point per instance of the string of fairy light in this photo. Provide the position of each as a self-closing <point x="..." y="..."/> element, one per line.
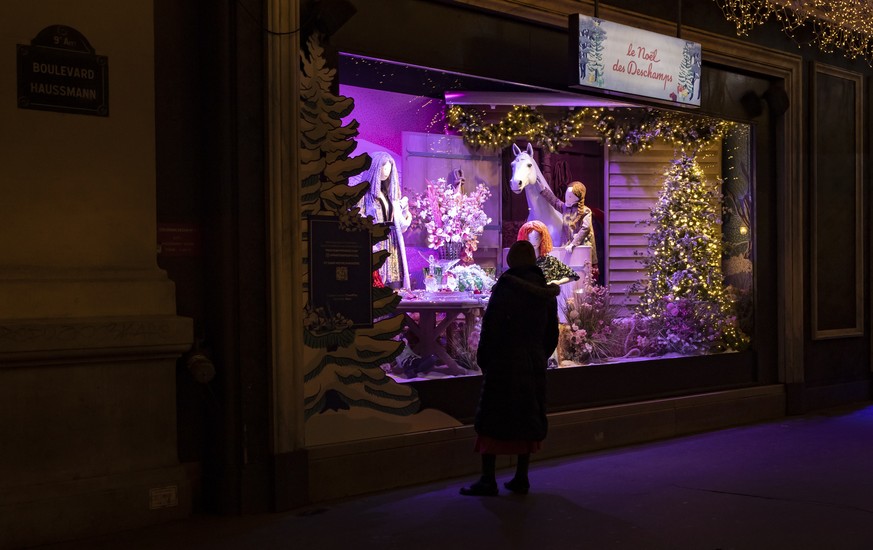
<point x="627" y="130"/>
<point x="833" y="25"/>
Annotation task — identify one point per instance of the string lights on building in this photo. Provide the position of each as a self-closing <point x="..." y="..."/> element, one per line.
<point x="832" y="25"/>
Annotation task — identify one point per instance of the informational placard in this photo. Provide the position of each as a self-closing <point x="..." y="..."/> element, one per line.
<point x="179" y="239"/>
<point x="59" y="71"/>
<point x="625" y="60"/>
<point x="341" y="270"/>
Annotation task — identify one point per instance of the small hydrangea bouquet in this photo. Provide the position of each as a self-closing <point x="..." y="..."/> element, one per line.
<point x="448" y="214"/>
<point x="472" y="277"/>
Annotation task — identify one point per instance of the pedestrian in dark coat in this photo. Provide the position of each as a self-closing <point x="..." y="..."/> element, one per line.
<point x="519" y="333"/>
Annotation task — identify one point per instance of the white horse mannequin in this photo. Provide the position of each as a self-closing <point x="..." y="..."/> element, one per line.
<point x="544" y="206"/>
<point x="542" y="203"/>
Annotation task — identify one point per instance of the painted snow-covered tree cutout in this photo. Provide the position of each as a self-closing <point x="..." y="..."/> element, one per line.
<point x="688" y="72"/>
<point x="686" y="79"/>
<point x="325" y="144"/>
<point x="342" y="364"/>
<point x="596" y="68"/>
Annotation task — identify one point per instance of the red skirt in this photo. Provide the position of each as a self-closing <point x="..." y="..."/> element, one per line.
<point x="489" y="446"/>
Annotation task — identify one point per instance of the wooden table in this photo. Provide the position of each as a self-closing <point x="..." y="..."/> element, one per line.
<point x="429" y="332"/>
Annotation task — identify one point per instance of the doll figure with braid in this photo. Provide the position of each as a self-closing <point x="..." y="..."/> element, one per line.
<point x="579" y="223"/>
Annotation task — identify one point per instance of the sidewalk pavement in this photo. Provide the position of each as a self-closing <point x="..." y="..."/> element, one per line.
<point x="803" y="482"/>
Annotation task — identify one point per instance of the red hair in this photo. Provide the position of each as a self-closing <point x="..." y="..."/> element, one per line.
<point x="536" y="225"/>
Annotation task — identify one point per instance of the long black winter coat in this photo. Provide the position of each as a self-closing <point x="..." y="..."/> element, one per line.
<point x="519" y="333"/>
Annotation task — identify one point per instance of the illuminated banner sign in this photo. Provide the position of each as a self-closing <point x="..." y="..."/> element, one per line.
<point x="617" y="58"/>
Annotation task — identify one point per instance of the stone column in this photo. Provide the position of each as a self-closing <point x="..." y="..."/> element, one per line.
<point x="88" y="332"/>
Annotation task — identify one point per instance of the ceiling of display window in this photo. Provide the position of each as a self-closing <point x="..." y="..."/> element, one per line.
<point x="456" y="88"/>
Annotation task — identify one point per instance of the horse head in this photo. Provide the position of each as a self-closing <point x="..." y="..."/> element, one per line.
<point x="541" y="201"/>
<point x="524" y="169"/>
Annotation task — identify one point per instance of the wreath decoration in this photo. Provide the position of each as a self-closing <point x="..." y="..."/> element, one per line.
<point x="626" y="130"/>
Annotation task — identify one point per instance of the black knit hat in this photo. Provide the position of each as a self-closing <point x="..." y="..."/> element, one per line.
<point x="521" y="254"/>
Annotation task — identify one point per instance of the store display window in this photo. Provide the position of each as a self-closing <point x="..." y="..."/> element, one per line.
<point x="643" y="216"/>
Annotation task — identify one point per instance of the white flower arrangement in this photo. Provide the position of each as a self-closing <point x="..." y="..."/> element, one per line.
<point x="449" y="215"/>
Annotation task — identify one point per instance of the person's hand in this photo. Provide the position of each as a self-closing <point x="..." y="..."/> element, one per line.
<point x="569" y="248"/>
<point x="402" y="206"/>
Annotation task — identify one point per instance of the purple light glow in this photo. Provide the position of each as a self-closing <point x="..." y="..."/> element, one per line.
<point x="384" y="116"/>
<point x="550" y="99"/>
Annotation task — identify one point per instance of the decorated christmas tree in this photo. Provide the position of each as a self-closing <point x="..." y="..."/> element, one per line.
<point x="684" y="292"/>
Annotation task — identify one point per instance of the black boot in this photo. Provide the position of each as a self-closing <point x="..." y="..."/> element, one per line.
<point x="520" y="484"/>
<point x="487" y="484"/>
<point x="482" y="488"/>
<point x="519" y="487"/>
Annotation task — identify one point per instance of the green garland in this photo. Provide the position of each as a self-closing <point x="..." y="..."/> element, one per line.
<point x="626" y="130"/>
